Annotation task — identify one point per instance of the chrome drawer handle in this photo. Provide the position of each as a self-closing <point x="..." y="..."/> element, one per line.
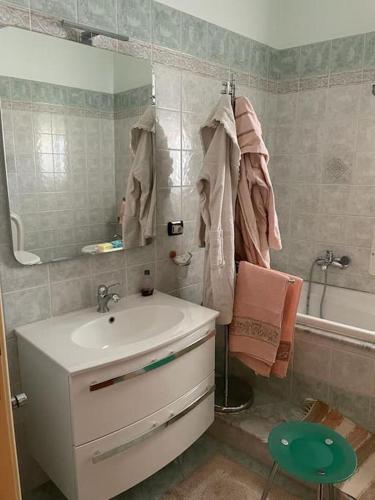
<point x="153" y="365"/>
<point x="99" y="456"/>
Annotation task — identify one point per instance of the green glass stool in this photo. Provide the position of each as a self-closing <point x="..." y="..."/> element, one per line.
<point x="310" y="452"/>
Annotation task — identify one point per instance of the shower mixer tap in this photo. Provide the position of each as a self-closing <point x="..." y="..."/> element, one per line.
<point x="324" y="263"/>
<point x="330" y="260"/>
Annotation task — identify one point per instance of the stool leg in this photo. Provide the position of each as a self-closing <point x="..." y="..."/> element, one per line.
<point x="320" y="495"/>
<point x="269" y="482"/>
<point x="331" y="492"/>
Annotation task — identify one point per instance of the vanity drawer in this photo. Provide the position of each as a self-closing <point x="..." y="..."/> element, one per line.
<point x="139" y="387"/>
<point x="115" y="463"/>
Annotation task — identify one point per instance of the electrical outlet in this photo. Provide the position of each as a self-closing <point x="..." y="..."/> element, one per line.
<point x="175" y="228"/>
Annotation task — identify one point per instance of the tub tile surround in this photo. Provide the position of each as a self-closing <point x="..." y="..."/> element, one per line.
<point x="322" y="159"/>
<point x="340" y="372"/>
<point x="290" y="90"/>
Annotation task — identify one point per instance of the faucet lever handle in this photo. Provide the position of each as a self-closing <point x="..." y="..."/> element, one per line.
<point x="102" y="290"/>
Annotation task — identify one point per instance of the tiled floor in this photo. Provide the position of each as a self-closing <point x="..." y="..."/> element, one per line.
<point x="155" y="486"/>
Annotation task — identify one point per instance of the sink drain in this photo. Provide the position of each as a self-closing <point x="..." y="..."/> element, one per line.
<point x="111" y="319"/>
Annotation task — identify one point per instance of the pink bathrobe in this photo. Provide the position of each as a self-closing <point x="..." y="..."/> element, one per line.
<point x="256" y="224"/>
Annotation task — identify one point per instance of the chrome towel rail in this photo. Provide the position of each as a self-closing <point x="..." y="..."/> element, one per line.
<point x="99" y="456"/>
<point x="153" y="365"/>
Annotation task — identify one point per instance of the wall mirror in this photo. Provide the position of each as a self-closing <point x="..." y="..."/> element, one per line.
<point x="67" y="110"/>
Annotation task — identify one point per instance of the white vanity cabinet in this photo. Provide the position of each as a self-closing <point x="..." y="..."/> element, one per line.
<point x="98" y="431"/>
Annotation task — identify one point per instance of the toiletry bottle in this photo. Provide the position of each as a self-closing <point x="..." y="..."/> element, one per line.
<point x="147" y="285"/>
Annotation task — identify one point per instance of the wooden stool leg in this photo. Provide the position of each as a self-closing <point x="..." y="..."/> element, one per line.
<point x="269" y="482"/>
<point x="320" y="495"/>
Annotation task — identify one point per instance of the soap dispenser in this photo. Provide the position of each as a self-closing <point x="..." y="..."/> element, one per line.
<point x="147" y="284"/>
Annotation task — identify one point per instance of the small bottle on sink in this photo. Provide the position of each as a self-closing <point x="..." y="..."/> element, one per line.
<point x="147" y="285"/>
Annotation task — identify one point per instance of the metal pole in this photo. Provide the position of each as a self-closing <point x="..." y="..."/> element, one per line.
<point x="269" y="482"/>
<point x="226" y="366"/>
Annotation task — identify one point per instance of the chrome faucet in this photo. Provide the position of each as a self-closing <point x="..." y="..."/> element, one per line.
<point x="103" y="297"/>
<point x="330" y="260"/>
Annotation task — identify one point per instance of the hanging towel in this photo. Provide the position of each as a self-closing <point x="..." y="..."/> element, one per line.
<point x="256" y="224"/>
<point x="285" y="349"/>
<point x="217" y="188"/>
<point x="265" y="307"/>
<point x="138" y="227"/>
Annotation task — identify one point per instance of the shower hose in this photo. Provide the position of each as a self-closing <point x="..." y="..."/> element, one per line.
<point x="322" y="299"/>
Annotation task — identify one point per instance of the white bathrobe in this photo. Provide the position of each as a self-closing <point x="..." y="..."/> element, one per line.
<point x="217" y="187"/>
<point x="138" y="226"/>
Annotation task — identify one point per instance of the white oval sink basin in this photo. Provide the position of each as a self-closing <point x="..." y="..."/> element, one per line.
<point x="127" y="326"/>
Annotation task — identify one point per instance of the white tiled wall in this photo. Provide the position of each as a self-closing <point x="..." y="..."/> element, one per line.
<point x="323" y="170"/>
<point x="60" y="168"/>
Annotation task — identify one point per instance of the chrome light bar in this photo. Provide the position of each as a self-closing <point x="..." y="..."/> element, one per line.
<point x="88" y="32"/>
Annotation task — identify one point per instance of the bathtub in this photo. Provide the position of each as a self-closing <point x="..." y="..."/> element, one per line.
<point x="346" y="312"/>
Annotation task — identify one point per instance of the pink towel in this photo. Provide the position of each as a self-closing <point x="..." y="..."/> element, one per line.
<point x="265" y="308"/>
<point x="256" y="224"/>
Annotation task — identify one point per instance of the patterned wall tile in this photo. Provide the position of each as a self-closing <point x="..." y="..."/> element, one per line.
<point x="194" y="36"/>
<point x="259" y="59"/>
<point x="134" y="18"/>
<point x="239" y="50"/>
<point x="20" y="89"/>
<point x="26" y="306"/>
<point x="288" y="63"/>
<point x="166" y="26"/>
<point x="369" y="50"/>
<point x="4" y="87"/>
<point x="98" y="13"/>
<point x="66" y="9"/>
<point x="274" y="71"/>
<point x="218" y="45"/>
<point x="347" y="54"/>
<point x="314" y="59"/>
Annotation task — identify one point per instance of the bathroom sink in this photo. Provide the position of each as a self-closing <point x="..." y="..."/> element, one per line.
<point x="127" y="326"/>
<point x="136" y="326"/>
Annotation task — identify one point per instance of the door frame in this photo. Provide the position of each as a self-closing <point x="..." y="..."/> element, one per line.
<point x="10" y="481"/>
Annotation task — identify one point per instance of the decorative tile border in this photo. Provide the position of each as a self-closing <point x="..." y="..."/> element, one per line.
<point x="6" y="104"/>
<point x="315" y="83"/>
<point x="135" y="48"/>
<point x="287" y="87"/>
<point x="185" y="62"/>
<point x="14" y="16"/>
<point x="51" y="26"/>
<point x="59" y="95"/>
<point x="348" y="78"/>
<point x="369" y="76"/>
<point x="333" y="80"/>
